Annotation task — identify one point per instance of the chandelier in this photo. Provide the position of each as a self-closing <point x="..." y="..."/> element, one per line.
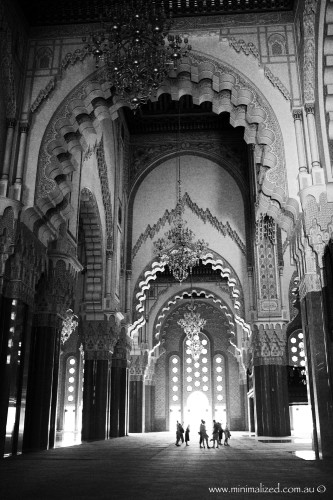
<point x="177" y="249"/>
<point x="68" y="325"/>
<point x="192" y="324"/>
<point x="135" y="44"/>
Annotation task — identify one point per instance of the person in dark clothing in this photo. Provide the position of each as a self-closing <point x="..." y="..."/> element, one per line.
<point x="187" y="435"/>
<point x="178" y="434"/>
<point x="220" y="432"/>
<point x="203" y="435"/>
<point x="227" y="436"/>
<point x="215" y="434"/>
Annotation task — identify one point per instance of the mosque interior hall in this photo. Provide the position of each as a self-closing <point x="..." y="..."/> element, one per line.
<point x="166" y="241"/>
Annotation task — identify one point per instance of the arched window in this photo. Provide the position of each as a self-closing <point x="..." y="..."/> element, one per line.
<point x="219" y="385"/>
<point x="277" y="44"/>
<point x="175" y="385"/>
<point x="44" y="58"/>
<point x="71" y="380"/>
<point x="197" y="373"/>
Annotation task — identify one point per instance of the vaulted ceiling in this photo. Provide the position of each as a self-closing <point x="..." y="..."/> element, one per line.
<point x="55" y="12"/>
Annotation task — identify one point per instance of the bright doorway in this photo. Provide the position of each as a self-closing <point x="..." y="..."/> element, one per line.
<point x="197" y="407"/>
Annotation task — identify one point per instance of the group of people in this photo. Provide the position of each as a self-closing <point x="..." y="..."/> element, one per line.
<point x="216" y="437"/>
<point x="180" y="434"/>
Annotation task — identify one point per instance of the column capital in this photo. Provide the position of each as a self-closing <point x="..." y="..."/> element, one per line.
<point x="297" y="114"/>
<point x="24" y="127"/>
<point x="99" y="339"/>
<point x="269" y="344"/>
<point x="11" y="122"/>
<point x="309" y="108"/>
<point x="310" y="282"/>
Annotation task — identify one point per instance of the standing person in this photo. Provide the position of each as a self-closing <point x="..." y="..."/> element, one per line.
<point x="178" y="434"/>
<point x="227" y="436"/>
<point x="203" y="435"/>
<point x="187" y="435"/>
<point x="181" y="428"/>
<point x="215" y="434"/>
<point x="220" y="432"/>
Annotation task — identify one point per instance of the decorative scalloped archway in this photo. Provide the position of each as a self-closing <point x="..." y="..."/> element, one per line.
<point x="217" y="263"/>
<point x="201" y="77"/>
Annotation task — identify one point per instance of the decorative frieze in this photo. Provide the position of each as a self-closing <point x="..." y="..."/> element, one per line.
<point x="43" y="94"/>
<point x="269" y="302"/>
<point x="309" y="59"/>
<point x="99" y="339"/>
<point x="204" y="215"/>
<point x="27" y="258"/>
<point x="138" y="366"/>
<point x="269" y="344"/>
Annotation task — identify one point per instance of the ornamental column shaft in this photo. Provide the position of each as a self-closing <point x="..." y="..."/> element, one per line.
<point x="119" y="387"/>
<point x="108" y="281"/>
<point x="271" y="402"/>
<point x="318" y="355"/>
<point x="137" y="393"/>
<point x="297" y="114"/>
<point x="7" y="157"/>
<point x="99" y="340"/>
<point x="128" y="290"/>
<point x="315" y="161"/>
<point x="43" y="381"/>
<point x="24" y="128"/>
<point x="54" y="296"/>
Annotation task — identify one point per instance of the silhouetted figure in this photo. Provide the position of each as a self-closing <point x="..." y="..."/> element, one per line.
<point x="215" y="434"/>
<point x="203" y="435"/>
<point x="220" y="432"/>
<point x="178" y="433"/>
<point x="187" y="435"/>
<point x="227" y="436"/>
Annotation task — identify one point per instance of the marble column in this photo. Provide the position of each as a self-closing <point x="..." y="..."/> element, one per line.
<point x="119" y="398"/>
<point x="7" y="158"/>
<point x="137" y="392"/>
<point x="149" y="406"/>
<point x="43" y="382"/>
<point x="24" y="128"/>
<point x="309" y="109"/>
<point x="54" y="296"/>
<point x="298" y="122"/>
<point x="99" y="340"/>
<point x="15" y="327"/>
<point x="96" y="389"/>
<point x="120" y="386"/>
<point x="136" y="404"/>
<point x="271" y="403"/>
<point x="319" y="378"/>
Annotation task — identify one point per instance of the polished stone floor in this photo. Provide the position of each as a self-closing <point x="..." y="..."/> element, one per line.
<point x="150" y="466"/>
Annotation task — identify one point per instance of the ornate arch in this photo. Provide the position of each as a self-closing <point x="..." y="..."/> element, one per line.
<point x="184" y="294"/>
<point x="72" y="128"/>
<point x="218" y="263"/>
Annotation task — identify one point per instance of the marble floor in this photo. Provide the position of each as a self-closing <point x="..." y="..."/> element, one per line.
<point x="150" y="466"/>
